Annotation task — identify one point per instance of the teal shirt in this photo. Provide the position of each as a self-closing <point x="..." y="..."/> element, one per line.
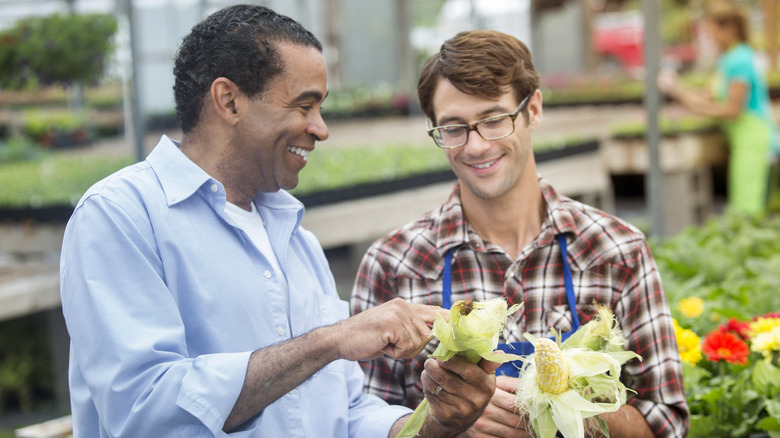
<point x="739" y="64"/>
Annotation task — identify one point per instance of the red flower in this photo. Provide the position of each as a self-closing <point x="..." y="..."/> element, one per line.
<point x="722" y="345"/>
<point x="739" y="328"/>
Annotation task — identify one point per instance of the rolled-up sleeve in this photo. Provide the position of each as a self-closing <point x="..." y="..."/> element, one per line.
<point x="657" y="379"/>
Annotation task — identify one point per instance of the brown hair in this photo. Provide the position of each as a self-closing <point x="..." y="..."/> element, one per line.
<point x="725" y="14"/>
<point x="481" y="63"/>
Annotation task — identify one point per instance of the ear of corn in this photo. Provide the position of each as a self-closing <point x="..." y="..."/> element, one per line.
<point x="552" y="371"/>
<point x="472" y="333"/>
<point x="564" y="383"/>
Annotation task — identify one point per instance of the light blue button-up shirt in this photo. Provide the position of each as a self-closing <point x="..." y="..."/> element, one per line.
<point x="165" y="298"/>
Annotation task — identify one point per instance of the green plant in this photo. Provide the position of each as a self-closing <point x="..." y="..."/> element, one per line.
<point x="718" y="278"/>
<point x="730" y="263"/>
<point x="19" y="149"/>
<point x="383" y="99"/>
<point x="734" y="378"/>
<point x="333" y="168"/>
<point x="668" y="126"/>
<point x="57" y="127"/>
<point x="55" y="180"/>
<point x="564" y="90"/>
<point x="56" y="49"/>
<point x="25" y="366"/>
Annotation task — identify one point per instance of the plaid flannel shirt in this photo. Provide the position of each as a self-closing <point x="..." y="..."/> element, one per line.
<point x="611" y="265"/>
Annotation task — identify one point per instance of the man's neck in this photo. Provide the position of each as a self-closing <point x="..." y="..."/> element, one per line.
<point x="213" y="158"/>
<point x="511" y="222"/>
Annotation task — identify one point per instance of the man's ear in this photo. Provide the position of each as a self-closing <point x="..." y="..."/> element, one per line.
<point x="226" y="100"/>
<point x="535" y="109"/>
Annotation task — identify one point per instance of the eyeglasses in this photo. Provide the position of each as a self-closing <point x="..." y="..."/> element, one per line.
<point x="491" y="128"/>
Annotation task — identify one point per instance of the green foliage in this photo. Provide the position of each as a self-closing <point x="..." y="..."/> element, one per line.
<point x="378" y="100"/>
<point x="730" y="263"/>
<point x="332" y="168"/>
<point x="19" y="149"/>
<point x="55" y="180"/>
<point x="668" y="126"/>
<point x="56" y="49"/>
<point x="25" y="370"/>
<point x="38" y="123"/>
<point x="562" y="90"/>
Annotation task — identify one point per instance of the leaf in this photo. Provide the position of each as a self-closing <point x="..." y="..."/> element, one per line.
<point x="603" y="426"/>
<point x="773" y="408"/>
<point x="568" y="418"/>
<point x="769" y="424"/>
<point x="415" y="422"/>
<point x="765" y="376"/>
<point x="501" y="358"/>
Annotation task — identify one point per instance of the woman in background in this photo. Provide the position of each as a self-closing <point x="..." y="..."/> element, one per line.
<point x="740" y="98"/>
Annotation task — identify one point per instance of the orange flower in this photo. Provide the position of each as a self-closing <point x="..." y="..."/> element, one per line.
<point x="721" y="345"/>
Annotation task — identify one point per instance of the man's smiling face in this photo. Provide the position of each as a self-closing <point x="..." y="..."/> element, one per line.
<point x="487" y="168"/>
<point x="275" y="138"/>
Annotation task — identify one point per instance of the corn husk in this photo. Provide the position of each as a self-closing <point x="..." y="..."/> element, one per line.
<point x="594" y="355"/>
<point x="472" y="332"/>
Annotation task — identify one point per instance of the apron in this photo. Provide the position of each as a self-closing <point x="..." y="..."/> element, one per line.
<point x="522" y="348"/>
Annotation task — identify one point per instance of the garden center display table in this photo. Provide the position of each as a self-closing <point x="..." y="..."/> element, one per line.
<point x="687" y="160"/>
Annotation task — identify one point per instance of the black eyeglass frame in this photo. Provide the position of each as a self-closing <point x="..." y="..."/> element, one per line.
<point x="473" y="126"/>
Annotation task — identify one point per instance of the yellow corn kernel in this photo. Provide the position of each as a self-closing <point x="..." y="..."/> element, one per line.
<point x="552" y="372"/>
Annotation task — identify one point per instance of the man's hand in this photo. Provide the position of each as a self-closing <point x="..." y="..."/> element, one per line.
<point x="500" y="418"/>
<point x="396" y="328"/>
<point x="457" y="391"/>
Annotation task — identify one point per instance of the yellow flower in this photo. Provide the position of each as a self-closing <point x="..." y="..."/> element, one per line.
<point x="689" y="345"/>
<point x="763" y="325"/>
<point x="692" y="307"/>
<point x="767" y="342"/>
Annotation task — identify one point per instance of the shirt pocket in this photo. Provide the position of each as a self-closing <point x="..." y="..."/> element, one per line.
<point x="332" y="309"/>
<point x="559" y="318"/>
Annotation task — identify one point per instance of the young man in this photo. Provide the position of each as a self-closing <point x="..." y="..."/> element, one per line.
<point x="505" y="232"/>
<point x="195" y="302"/>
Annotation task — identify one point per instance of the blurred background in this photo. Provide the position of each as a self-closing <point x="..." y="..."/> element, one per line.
<point x="86" y="88"/>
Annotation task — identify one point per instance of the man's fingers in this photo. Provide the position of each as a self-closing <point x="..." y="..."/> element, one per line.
<point x="507" y="384"/>
<point x="489" y="367"/>
<point x="428" y="313"/>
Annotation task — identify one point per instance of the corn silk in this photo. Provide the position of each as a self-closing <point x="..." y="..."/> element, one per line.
<point x="472" y="333"/>
<point x="594" y="355"/>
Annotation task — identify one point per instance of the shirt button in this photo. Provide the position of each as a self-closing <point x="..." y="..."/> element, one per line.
<point x="267" y="274"/>
<point x="214" y="188"/>
<point x="280" y="331"/>
<point x="510" y="274"/>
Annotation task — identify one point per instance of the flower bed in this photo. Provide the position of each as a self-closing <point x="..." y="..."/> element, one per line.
<point x="722" y="282"/>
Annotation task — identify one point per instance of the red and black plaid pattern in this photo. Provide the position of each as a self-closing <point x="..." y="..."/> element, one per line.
<point x="611" y="265"/>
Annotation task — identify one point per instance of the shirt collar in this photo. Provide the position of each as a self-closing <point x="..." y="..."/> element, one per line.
<point x="181" y="178"/>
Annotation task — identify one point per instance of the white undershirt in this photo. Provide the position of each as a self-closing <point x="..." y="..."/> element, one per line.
<point x="254" y="226"/>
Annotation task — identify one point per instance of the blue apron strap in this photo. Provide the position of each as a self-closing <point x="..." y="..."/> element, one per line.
<point x="575" y="320"/>
<point x="446" y="288"/>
